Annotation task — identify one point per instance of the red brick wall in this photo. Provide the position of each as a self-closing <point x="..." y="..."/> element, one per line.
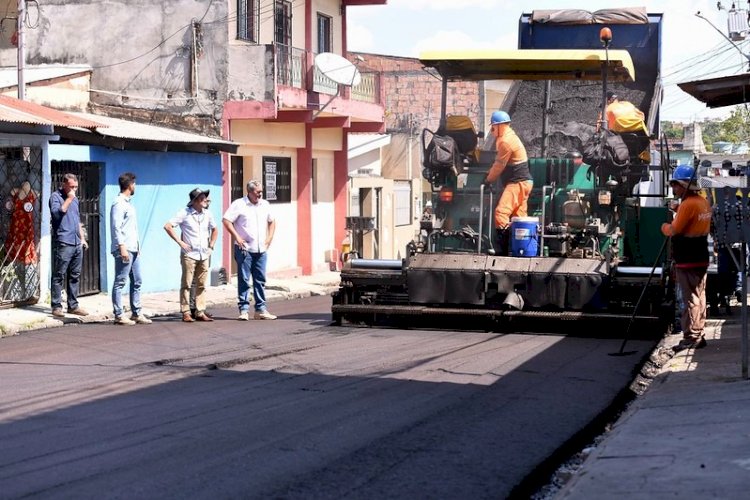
<point x="411" y="95"/>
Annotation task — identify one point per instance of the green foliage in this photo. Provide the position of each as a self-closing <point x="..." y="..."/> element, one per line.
<point x="712" y="132"/>
<point x="671" y="130"/>
<point x="736" y="128"/>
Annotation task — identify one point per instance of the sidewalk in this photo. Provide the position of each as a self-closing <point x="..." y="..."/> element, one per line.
<point x="688" y="436"/>
<point x="99" y="307"/>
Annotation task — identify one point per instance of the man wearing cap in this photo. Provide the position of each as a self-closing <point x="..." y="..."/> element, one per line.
<point x="689" y="232"/>
<point x="196" y="244"/>
<point x="511" y="166"/>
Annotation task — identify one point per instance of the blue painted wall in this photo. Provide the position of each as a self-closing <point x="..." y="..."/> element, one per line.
<point x="163" y="181"/>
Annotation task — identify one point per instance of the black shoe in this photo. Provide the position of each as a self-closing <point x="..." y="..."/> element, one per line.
<point x="690" y="344"/>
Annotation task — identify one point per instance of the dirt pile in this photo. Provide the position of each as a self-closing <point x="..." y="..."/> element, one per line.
<point x="575" y="107"/>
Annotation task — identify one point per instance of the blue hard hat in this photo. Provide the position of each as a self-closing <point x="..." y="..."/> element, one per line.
<point x="683" y="173"/>
<point x="499" y="117"/>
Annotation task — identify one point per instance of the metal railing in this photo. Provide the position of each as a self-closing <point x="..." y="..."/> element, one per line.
<point x="368" y="88"/>
<point x="322" y="84"/>
<point x="290" y="66"/>
<point x="291" y="69"/>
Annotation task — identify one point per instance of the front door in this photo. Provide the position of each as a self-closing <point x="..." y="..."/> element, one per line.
<point x="89" y="190"/>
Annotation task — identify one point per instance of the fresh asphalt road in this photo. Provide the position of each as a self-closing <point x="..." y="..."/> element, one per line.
<point x="293" y="408"/>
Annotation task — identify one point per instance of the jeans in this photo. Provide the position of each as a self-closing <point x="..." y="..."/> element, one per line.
<point x="250" y="265"/>
<point x="67" y="264"/>
<point x="123" y="271"/>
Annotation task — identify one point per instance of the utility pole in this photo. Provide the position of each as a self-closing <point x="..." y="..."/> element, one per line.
<point x="21" y="53"/>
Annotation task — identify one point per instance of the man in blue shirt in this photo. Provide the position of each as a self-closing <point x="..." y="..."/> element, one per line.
<point x="126" y="251"/>
<point x="68" y="245"/>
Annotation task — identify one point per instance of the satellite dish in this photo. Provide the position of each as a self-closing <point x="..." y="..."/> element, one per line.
<point x="338" y="69"/>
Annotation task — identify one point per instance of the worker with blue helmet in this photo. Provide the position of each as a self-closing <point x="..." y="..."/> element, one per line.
<point x="685" y="176"/>
<point x="499" y="117"/>
<point x="689" y="232"/>
<point x="511" y="166"/>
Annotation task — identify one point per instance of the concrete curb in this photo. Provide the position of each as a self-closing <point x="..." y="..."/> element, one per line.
<point x="38" y="316"/>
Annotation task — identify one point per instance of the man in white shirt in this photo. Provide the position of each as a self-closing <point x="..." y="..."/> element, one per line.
<point x="250" y="222"/>
<point x="196" y="243"/>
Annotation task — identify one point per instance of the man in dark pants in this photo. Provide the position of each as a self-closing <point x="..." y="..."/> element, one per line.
<point x="69" y="242"/>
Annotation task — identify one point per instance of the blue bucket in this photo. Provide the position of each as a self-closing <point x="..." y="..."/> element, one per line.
<point x="524" y="238"/>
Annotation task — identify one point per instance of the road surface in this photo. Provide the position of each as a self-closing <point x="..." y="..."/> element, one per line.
<point x="293" y="408"/>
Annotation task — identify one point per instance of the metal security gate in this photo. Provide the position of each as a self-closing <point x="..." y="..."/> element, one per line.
<point x="20" y="224"/>
<point x="89" y="189"/>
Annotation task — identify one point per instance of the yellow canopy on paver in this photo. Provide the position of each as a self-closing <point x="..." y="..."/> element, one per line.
<point x="528" y="64"/>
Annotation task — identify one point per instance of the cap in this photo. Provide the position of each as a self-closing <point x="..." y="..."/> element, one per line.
<point x="196" y="193"/>
<point x="611" y="95"/>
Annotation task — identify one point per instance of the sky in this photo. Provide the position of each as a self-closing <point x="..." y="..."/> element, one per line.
<point x="692" y="49"/>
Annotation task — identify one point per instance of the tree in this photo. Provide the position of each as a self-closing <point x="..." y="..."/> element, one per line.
<point x="736" y="128"/>
<point x="712" y="132"/>
<point x="671" y="129"/>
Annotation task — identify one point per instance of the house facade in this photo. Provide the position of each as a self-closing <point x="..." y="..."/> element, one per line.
<point x="243" y="70"/>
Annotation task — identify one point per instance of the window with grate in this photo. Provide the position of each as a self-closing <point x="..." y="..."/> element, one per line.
<point x="283" y="22"/>
<point x="402" y="195"/>
<point x="325" y="35"/>
<point x="248" y="22"/>
<point x="277" y="179"/>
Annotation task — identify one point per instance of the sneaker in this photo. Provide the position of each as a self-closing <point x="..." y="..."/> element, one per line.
<point x="122" y="320"/>
<point x="264" y="315"/>
<point x="690" y="344"/>
<point x="79" y="312"/>
<point x="58" y="313"/>
<point x="243" y="316"/>
<point x="141" y="320"/>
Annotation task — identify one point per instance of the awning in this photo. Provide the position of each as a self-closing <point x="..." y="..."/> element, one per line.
<point x="530" y="64"/>
<point x="13" y="110"/>
<point x="722" y="91"/>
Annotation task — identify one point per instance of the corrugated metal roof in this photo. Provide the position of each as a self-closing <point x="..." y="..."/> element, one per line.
<point x="129" y="130"/>
<point x="13" y="110"/>
<point x="124" y="129"/>
<point x="31" y="74"/>
<point x="360" y="144"/>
